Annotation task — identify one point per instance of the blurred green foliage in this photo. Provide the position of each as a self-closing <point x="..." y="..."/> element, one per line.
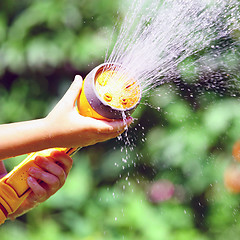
<point x="184" y="133"/>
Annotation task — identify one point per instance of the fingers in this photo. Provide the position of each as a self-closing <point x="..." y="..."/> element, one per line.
<point x="73" y="91"/>
<point x="49" y="176"/>
<point x="103" y="126"/>
<point x="62" y="160"/>
<point x="51" y="170"/>
<point x="95" y="131"/>
<point x="49" y="179"/>
<point x="121" y="125"/>
<point x="38" y="194"/>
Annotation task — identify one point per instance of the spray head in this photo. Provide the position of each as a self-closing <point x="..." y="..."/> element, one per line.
<point x="109" y="93"/>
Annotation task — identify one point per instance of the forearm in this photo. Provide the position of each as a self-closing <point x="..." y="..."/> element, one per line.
<point x="63" y="127"/>
<point x="24" y="137"/>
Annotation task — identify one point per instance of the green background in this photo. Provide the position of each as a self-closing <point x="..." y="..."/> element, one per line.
<point x="183" y="132"/>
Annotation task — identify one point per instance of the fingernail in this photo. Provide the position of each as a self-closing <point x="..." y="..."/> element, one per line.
<point x="30" y="179"/>
<point x="32" y="170"/>
<point x="37" y="159"/>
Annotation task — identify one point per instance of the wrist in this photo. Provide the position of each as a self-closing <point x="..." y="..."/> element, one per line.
<point x="49" y="132"/>
<point x="54" y="133"/>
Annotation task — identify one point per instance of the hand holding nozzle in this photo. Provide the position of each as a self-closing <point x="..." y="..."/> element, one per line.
<point x="44" y="180"/>
<point x="70" y="129"/>
<point x="63" y="127"/>
<point x="64" y="130"/>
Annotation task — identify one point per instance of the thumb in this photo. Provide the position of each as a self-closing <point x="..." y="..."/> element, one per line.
<point x="74" y="90"/>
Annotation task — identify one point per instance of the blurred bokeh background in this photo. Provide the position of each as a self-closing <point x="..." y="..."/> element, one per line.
<point x="164" y="180"/>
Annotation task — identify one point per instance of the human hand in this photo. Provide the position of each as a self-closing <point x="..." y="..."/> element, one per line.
<point x="51" y="176"/>
<point x="68" y="128"/>
<point x="45" y="180"/>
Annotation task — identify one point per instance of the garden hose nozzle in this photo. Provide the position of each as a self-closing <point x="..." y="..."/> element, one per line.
<point x="108" y="92"/>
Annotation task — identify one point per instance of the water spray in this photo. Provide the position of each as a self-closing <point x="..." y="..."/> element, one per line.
<point x="155" y="37"/>
<point x="108" y="92"/>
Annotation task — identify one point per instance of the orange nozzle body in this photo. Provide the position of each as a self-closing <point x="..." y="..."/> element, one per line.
<point x="109" y="92"/>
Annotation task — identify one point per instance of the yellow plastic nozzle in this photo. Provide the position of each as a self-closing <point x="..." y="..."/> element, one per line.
<point x="124" y="101"/>
<point x="102" y="81"/>
<point x="109" y="92"/>
<point x="125" y="93"/>
<point x="107" y="97"/>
